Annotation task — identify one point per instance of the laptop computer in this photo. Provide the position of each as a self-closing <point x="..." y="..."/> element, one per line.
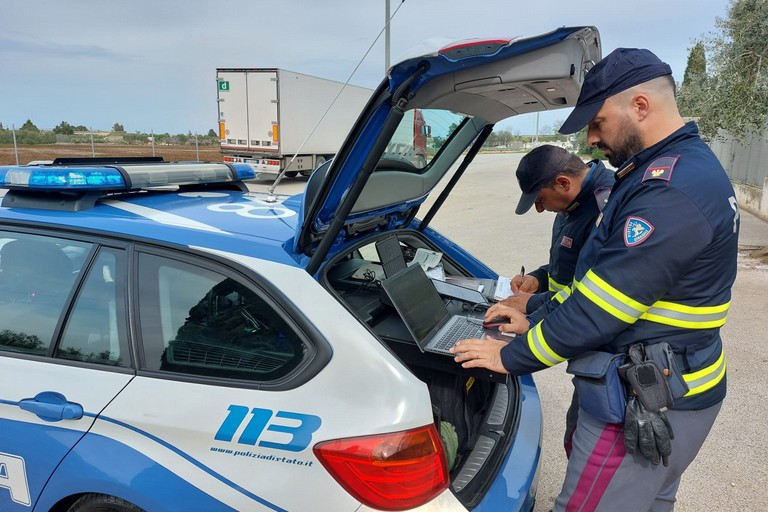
<point x="427" y="318"/>
<point x="390" y="255"/>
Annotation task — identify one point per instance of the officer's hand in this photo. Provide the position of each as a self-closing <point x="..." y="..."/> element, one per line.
<point x="648" y="431"/>
<point x="508" y="319"/>
<point x="525" y="283"/>
<point x="518" y="301"/>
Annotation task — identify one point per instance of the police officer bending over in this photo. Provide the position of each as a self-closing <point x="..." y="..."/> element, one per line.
<point x="651" y="291"/>
<point x="552" y="179"/>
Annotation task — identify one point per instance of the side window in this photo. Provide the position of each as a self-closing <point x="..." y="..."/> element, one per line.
<point x="95" y="331"/>
<point x="37" y="274"/>
<point x="200" y="322"/>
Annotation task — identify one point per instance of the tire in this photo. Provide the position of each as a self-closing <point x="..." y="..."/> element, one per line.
<point x="102" y="503"/>
<point x="292" y="174"/>
<point x="320" y="160"/>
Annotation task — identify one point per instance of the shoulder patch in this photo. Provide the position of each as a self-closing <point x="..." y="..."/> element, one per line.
<point x="660" y="169"/>
<point x="636" y="231"/>
<point x="601" y="196"/>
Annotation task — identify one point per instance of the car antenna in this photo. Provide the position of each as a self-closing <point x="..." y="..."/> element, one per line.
<point x="271" y="189"/>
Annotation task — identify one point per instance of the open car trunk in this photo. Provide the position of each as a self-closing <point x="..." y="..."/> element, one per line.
<point x="480" y="406"/>
<point x="421" y="130"/>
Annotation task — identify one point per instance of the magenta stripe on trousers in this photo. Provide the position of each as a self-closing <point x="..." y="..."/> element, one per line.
<point x="601" y="465"/>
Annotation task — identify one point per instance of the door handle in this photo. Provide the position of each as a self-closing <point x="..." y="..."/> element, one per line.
<point x="52" y="406"/>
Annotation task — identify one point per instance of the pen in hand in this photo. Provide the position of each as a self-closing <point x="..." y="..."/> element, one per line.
<point x="522" y="272"/>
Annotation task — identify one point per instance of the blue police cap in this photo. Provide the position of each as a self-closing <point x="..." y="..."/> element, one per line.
<point x="618" y="71"/>
<point x="536" y="169"/>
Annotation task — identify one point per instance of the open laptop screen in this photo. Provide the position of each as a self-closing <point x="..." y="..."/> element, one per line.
<point x="416" y="300"/>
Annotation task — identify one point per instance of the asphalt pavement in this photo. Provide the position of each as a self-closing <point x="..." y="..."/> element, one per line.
<point x="731" y="471"/>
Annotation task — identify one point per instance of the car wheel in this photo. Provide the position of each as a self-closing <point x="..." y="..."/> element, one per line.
<point x="102" y="503"/>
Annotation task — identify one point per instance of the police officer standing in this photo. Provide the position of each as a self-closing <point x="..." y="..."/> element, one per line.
<point x="655" y="277"/>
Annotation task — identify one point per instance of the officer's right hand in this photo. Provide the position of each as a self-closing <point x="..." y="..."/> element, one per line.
<point x="648" y="431"/>
<point x="516" y="322"/>
<point x="525" y="283"/>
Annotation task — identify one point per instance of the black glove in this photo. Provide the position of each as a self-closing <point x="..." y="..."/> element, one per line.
<point x="650" y="431"/>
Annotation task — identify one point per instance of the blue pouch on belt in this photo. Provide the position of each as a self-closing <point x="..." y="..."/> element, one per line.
<point x="600" y="389"/>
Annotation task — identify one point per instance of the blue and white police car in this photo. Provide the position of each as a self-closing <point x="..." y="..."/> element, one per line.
<point x="171" y="341"/>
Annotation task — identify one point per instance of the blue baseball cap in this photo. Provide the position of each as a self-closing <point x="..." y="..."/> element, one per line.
<point x="618" y="71"/>
<point x="536" y="169"/>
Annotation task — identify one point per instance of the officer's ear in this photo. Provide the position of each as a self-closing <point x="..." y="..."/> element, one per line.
<point x="563" y="183"/>
<point x="640" y="106"/>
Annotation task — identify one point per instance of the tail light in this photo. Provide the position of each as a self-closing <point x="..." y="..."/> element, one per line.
<point x="394" y="471"/>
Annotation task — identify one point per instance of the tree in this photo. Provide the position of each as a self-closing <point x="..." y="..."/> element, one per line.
<point x="64" y="128"/>
<point x="211" y="133"/>
<point x="692" y="93"/>
<point x="737" y="93"/>
<point x="117" y="127"/>
<point x="29" y="126"/>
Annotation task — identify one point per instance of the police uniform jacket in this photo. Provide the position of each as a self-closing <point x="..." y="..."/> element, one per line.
<point x="569" y="232"/>
<point x="658" y="266"/>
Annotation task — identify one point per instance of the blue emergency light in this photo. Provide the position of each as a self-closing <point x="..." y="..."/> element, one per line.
<point x="120" y="177"/>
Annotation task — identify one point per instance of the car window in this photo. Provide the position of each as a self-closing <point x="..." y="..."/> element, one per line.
<point x="37" y="274"/>
<point x="95" y="331"/>
<point x="198" y="321"/>
<point x="419" y="136"/>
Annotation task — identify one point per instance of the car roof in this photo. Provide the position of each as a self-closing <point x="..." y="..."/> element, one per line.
<point x="237" y="221"/>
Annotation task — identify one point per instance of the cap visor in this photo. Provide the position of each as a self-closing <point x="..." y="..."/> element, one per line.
<point x="580" y="117"/>
<point x="526" y="201"/>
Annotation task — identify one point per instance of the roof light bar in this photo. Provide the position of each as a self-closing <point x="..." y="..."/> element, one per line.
<point x="122" y="177"/>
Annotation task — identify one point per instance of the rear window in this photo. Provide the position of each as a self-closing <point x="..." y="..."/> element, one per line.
<point x="419" y="137"/>
<point x="197" y="321"/>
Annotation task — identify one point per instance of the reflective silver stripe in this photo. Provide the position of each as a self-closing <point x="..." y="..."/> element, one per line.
<point x="554" y="286"/>
<point x="540" y="349"/>
<point x="706" y="378"/>
<point x="562" y="295"/>
<point x="692" y="317"/>
<point x="609" y="299"/>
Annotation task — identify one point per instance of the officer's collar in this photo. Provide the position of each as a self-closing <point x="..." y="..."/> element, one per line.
<point x="686" y="131"/>
<point x="586" y="187"/>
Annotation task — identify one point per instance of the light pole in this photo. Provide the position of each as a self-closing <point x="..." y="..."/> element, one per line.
<point x="386" y="37"/>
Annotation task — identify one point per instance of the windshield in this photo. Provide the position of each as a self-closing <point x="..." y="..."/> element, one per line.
<point x="418" y="138"/>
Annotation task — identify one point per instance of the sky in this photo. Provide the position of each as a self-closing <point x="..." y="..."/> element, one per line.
<point x="151" y="65"/>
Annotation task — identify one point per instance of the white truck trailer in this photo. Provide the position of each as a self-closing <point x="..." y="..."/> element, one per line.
<point x="266" y="116"/>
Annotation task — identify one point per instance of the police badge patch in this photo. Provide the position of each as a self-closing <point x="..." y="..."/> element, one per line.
<point x="636" y="231"/>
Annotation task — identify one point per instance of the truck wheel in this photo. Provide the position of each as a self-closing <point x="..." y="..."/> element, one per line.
<point x="292" y="174"/>
<point x="102" y="503"/>
<point x="320" y="160"/>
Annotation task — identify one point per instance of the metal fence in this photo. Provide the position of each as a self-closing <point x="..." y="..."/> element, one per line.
<point x="747" y="162"/>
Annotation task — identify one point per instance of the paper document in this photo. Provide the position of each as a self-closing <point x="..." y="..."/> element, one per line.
<point x="503" y="288"/>
<point x="426" y="258"/>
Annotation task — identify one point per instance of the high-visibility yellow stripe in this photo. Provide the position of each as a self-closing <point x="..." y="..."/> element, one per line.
<point x="609" y="299"/>
<point x="706" y="378"/>
<point x="626" y="309"/>
<point x="540" y="349"/>
<point x="562" y="295"/>
<point x="554" y="286"/>
<point x="687" y="317"/>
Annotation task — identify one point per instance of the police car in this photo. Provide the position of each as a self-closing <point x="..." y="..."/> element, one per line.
<point x="170" y="340"/>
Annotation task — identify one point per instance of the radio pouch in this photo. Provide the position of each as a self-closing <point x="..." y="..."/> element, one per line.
<point x="662" y="355"/>
<point x="600" y="390"/>
<point x="646" y="380"/>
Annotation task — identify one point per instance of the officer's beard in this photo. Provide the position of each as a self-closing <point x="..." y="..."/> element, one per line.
<point x="628" y="143"/>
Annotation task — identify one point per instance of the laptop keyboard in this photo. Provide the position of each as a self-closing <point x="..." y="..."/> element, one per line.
<point x="461" y="329"/>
